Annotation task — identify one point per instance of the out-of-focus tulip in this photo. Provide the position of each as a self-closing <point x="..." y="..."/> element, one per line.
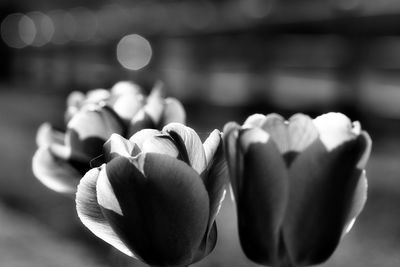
<point x="63" y="158"/>
<point x="157" y="195"/>
<point x="298" y="184"/>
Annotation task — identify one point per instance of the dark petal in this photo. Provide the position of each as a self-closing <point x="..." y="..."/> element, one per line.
<point x="165" y="210"/>
<point x="57" y="174"/>
<point x="85" y="149"/>
<point x="261" y="202"/>
<point x="322" y="186"/>
<point x="90" y="214"/>
<point x="232" y="155"/>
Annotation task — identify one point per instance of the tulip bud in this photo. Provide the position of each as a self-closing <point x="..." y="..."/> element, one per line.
<point x="298" y="184"/>
<point x="157" y="195"/>
<point x="157" y="112"/>
<point x="90" y="121"/>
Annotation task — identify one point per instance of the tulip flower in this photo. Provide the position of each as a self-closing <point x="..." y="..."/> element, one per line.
<point x="298" y="184"/>
<point x="63" y="158"/>
<point x="157" y="195"/>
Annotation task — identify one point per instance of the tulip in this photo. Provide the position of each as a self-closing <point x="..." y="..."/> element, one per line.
<point x="63" y="158"/>
<point x="157" y="195"/>
<point x="298" y="184"/>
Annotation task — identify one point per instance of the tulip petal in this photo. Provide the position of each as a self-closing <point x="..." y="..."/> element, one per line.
<point x="255" y="120"/>
<point x="141" y="121"/>
<point x="96" y="96"/>
<point x="46" y="135"/>
<point x="262" y="198"/>
<point x="88" y="130"/>
<point x="233" y="156"/>
<point x="276" y="126"/>
<point x="323" y="185"/>
<point x="211" y="145"/>
<point x="126" y="106"/>
<point x="125" y="87"/>
<point x="359" y="200"/>
<point x="155" y="104"/>
<point x="75" y="99"/>
<point x="53" y="172"/>
<point x="364" y="136"/>
<point x="302" y="132"/>
<point x="141" y="136"/>
<point x="105" y="194"/>
<point x="192" y="145"/>
<point x="89" y="212"/>
<point x="334" y="129"/>
<point x="207" y="245"/>
<point x="161" y="144"/>
<point x="215" y="177"/>
<point x="165" y="209"/>
<point x="116" y="146"/>
<point x="173" y="112"/>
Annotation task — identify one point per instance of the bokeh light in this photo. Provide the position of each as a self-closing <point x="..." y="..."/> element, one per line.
<point x="26" y="29"/>
<point x="44" y="28"/>
<point x="134" y="52"/>
<point x="18" y="30"/>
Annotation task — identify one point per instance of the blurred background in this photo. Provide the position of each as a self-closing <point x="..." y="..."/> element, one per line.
<point x="224" y="60"/>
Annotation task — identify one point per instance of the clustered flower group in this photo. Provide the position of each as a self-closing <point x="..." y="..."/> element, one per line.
<point x="147" y="185"/>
